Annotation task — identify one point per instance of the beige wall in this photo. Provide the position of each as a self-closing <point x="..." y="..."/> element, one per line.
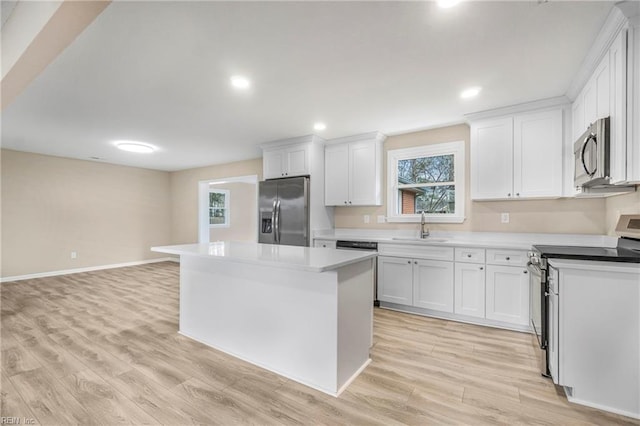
<point x="620" y="204"/>
<point x="583" y="216"/>
<point x="184" y="194"/>
<point x="243" y="213"/>
<point x="51" y="206"/>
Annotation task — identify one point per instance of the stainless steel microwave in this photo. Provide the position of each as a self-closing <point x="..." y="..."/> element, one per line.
<point x="591" y="155"/>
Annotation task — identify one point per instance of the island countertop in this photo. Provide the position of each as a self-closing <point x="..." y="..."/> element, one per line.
<point x="309" y="259"/>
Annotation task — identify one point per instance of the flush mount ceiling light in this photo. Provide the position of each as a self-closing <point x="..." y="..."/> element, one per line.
<point x="240" y="82"/>
<point x="138" y="147"/>
<point x="446" y="4"/>
<point x="319" y="126"/>
<point x="470" y="92"/>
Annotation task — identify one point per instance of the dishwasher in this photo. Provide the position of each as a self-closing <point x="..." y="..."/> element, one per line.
<point x="364" y="246"/>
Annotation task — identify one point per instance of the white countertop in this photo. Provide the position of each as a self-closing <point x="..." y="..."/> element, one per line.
<point x="289" y="257"/>
<point x="498" y="240"/>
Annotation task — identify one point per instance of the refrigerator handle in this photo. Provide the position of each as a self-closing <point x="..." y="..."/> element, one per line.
<point x="273" y="221"/>
<point x="277" y="222"/>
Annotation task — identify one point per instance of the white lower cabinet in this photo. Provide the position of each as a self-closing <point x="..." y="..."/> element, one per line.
<point x="469" y="289"/>
<point x="395" y="280"/>
<point x="433" y="285"/>
<point x="474" y="284"/>
<point x="507" y="294"/>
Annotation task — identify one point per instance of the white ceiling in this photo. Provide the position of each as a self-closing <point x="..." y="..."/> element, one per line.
<point x="159" y="72"/>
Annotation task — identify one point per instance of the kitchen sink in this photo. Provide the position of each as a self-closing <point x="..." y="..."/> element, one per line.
<point x="422" y="240"/>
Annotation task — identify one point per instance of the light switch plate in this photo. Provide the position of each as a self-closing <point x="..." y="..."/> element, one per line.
<point x="504" y="217"/>
<point x="367" y="218"/>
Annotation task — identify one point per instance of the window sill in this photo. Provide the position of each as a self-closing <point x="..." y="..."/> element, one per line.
<point x="428" y="219"/>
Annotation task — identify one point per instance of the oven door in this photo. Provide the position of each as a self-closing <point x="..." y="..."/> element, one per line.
<point x="538" y="311"/>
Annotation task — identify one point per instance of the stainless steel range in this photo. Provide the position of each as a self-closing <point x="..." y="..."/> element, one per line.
<point x="627" y="250"/>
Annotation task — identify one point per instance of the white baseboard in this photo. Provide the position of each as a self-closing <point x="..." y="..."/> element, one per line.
<point x="87" y="269"/>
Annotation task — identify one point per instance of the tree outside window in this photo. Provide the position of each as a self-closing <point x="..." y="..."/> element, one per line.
<point x="219" y="208"/>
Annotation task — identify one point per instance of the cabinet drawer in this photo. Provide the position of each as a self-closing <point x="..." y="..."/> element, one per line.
<point x="469" y="255"/>
<point x="416" y="251"/>
<point x="324" y="243"/>
<point x="506" y="257"/>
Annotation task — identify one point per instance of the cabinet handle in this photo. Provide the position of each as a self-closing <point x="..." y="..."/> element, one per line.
<point x="482" y="268"/>
<point x="416" y="262"/>
<point x="409" y="262"/>
<point x="286" y="174"/>
<point x="525" y="272"/>
<point x="349" y="202"/>
<point x="509" y="195"/>
<point x="468" y="255"/>
<point x="507" y="258"/>
<point x="517" y="194"/>
<point x="345" y="202"/>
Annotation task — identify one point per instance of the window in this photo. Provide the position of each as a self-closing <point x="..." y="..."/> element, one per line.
<point x="219" y="208"/>
<point x="428" y="178"/>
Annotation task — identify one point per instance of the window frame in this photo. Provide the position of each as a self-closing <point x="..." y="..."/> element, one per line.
<point x="226" y="208"/>
<point x="457" y="149"/>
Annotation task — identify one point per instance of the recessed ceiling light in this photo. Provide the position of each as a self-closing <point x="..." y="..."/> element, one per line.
<point x="131" y="146"/>
<point x="319" y="126"/>
<point x="240" y="82"/>
<point x="470" y="92"/>
<point x="446" y="4"/>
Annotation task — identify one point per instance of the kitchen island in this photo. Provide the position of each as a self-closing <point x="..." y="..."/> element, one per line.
<point x="304" y="313"/>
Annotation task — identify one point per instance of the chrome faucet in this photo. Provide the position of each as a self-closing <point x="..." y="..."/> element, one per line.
<point x="423" y="233"/>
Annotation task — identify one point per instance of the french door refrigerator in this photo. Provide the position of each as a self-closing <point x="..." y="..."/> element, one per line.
<point x="283" y="211"/>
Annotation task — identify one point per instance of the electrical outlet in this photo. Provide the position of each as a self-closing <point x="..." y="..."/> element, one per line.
<point x="381" y="218"/>
<point x="367" y="218"/>
<point x="504" y="217"/>
<point x="74" y="254"/>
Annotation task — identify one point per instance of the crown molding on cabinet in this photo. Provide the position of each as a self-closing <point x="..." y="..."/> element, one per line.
<point x="293" y="141"/>
<point x="559" y="101"/>
<point x="378" y="136"/>
<point x="610" y="29"/>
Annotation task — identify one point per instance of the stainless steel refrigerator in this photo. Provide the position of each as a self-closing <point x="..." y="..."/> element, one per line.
<point x="283" y="211"/>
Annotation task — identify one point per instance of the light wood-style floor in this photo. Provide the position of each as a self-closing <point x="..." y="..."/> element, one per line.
<point x="102" y="348"/>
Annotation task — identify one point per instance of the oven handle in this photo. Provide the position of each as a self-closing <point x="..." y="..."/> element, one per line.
<point x="536" y="270"/>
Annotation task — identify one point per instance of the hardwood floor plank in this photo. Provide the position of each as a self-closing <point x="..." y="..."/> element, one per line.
<point x="11" y="403"/>
<point x="106" y="405"/>
<point x="17" y="360"/>
<point x="49" y="400"/>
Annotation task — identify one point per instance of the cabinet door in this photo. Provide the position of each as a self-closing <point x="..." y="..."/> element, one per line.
<point x="618" y="107"/>
<point x="552" y="338"/>
<point x="364" y="179"/>
<point x="603" y="84"/>
<point x="336" y="175"/>
<point x="537" y="154"/>
<point x="395" y="280"/>
<point x="577" y="115"/>
<point x="469" y="289"/>
<point x="507" y="295"/>
<point x="324" y="243"/>
<point x="433" y="285"/>
<point x="297" y="160"/>
<point x="590" y="99"/>
<point x="492" y="159"/>
<point x="272" y="164"/>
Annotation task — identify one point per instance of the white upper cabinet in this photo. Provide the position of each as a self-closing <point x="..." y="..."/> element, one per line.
<point x="353" y="171"/>
<point x="618" y="108"/>
<point x="517" y="156"/>
<point x="537" y="154"/>
<point x="336" y="175"/>
<point x="287" y="161"/>
<point x="593" y="102"/>
<point x="492" y="159"/>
